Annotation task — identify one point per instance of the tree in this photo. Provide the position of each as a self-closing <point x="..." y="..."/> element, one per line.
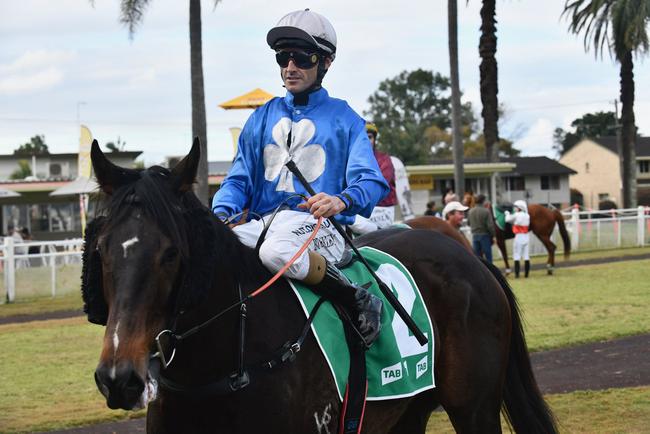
<point x="457" y="144"/>
<point x="131" y="15"/>
<point x="473" y="144"/>
<point x="24" y="170"/>
<point x="489" y="79"/>
<point x="404" y="106"/>
<point x="621" y="25"/>
<point x="35" y="146"/>
<point x="592" y="125"/>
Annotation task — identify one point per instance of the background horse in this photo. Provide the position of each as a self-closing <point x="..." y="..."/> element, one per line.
<point x="542" y="223"/>
<point x="160" y="260"/>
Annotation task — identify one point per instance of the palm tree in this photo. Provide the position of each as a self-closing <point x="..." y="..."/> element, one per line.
<point x="132" y="12"/>
<point x="621" y="25"/>
<point x="456" y="125"/>
<point x="489" y="79"/>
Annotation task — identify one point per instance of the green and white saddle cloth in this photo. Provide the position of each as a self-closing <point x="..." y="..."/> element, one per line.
<point x="397" y="365"/>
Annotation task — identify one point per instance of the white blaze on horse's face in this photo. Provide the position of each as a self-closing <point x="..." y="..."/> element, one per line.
<point x="116" y="343"/>
<point x="128" y="243"/>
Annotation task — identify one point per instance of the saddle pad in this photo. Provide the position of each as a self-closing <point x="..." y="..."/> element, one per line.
<point x="499" y="218"/>
<point x="397" y="365"/>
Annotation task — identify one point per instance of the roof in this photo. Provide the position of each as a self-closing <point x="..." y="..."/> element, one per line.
<point x="219" y="167"/>
<point x="71" y="155"/>
<point x="610" y="142"/>
<point x="253" y="99"/>
<point x="524" y="165"/>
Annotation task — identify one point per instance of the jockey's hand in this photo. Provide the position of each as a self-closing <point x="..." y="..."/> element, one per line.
<point x="323" y="205"/>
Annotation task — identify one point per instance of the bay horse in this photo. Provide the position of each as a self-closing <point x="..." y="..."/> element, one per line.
<point x="158" y="259"/>
<point x="542" y="224"/>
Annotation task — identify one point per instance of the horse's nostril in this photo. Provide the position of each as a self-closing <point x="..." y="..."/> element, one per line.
<point x="134" y="385"/>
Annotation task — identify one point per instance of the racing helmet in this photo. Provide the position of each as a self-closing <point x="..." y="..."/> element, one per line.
<point x="305" y="28"/>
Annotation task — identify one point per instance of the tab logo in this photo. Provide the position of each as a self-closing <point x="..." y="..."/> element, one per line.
<point x="421" y="367"/>
<point x="392" y="373"/>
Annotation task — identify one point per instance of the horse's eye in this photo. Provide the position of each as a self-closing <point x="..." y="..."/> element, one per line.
<point x="169" y="255"/>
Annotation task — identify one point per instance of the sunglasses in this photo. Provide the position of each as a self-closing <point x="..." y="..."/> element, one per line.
<point x="301" y="59"/>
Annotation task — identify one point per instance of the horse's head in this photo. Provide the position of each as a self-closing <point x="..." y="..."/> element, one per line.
<point x="140" y="264"/>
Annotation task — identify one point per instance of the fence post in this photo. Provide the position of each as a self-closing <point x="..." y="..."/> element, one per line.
<point x="640" y="226"/>
<point x="51" y="250"/>
<point x="575" y="223"/>
<point x="10" y="269"/>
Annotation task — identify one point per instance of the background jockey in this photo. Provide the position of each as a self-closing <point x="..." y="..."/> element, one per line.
<point x="383" y="215"/>
<point x="328" y="142"/>
<point x="520" y="223"/>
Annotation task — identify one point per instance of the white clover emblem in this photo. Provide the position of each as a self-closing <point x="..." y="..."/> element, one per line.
<point x="309" y="159"/>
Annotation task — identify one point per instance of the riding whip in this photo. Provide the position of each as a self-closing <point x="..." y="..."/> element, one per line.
<point x="399" y="309"/>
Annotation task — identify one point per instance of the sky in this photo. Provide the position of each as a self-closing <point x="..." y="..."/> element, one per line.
<point x="68" y="62"/>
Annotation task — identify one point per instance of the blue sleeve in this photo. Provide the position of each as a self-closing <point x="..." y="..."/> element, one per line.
<point x="236" y="189"/>
<point x="365" y="184"/>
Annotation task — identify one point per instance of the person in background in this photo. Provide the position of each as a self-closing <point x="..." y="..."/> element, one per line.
<point x="431" y="209"/>
<point x="454" y="213"/>
<point x="468" y="199"/>
<point x="27" y="236"/>
<point x="520" y="223"/>
<point x="383" y="215"/>
<point x="449" y="196"/>
<point x="480" y="221"/>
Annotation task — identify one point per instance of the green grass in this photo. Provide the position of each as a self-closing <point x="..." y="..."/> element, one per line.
<point x="47" y="376"/>
<point x="577" y="256"/>
<point x="585" y="304"/>
<point x="36" y="282"/>
<point x="586" y="412"/>
<point x="71" y="301"/>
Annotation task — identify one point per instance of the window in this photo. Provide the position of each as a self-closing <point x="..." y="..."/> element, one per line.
<point x="550" y="182"/>
<point x="515" y="183"/>
<point x="603" y="197"/>
<point x="586" y="167"/>
<point x="644" y="166"/>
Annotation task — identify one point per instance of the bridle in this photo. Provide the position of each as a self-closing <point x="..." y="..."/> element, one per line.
<point x="239" y="378"/>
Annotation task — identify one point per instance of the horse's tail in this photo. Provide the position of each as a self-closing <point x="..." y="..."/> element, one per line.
<point x="559" y="218"/>
<point x="524" y="406"/>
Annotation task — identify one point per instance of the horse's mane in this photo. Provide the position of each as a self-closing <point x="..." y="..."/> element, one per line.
<point x="207" y="246"/>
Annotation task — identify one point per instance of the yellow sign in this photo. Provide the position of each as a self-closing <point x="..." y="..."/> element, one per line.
<point x="421" y="182"/>
<point x="83" y="161"/>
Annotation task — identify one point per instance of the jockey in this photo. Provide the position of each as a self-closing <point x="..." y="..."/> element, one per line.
<point x="384" y="213"/>
<point x="520" y="223"/>
<point x="328" y="142"/>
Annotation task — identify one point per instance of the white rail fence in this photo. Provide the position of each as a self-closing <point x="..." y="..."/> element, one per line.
<point x="594" y="230"/>
<point x="15" y="257"/>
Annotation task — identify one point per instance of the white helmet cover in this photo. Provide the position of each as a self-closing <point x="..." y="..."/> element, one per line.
<point x="521" y="205"/>
<point x="307" y="26"/>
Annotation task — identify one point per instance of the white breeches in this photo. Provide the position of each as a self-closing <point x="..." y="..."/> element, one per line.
<point x="288" y="232"/>
<point x="381" y="218"/>
<point x="520" y="247"/>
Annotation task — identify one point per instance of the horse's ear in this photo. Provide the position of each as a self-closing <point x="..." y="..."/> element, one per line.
<point x="184" y="173"/>
<point x="109" y="176"/>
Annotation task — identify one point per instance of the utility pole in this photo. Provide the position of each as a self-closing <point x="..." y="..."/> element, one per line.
<point x="619" y="148"/>
<point x="457" y="141"/>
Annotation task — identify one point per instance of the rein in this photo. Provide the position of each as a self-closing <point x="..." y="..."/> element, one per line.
<point x="240" y="378"/>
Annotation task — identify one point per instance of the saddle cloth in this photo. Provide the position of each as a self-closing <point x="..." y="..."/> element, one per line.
<point x="397" y="365"/>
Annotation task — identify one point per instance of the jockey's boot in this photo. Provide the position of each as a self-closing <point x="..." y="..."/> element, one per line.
<point x="517" y="268"/>
<point x="328" y="281"/>
<point x="526" y="268"/>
